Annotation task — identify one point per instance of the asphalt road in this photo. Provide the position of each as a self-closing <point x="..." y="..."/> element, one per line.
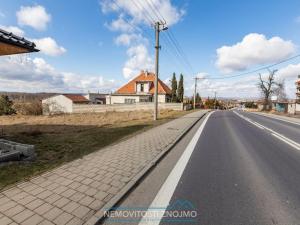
<point x="241" y="174"/>
<point x="238" y="173"/>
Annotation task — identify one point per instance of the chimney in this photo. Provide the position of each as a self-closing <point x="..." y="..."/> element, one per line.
<point x="146" y="73"/>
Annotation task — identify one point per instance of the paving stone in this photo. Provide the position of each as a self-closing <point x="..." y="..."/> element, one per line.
<point x="41" y="210"/>
<point x="12" y="192"/>
<point x="4" y="200"/>
<point x="44" y="194"/>
<point x="20" y="217"/>
<point x="46" y="183"/>
<point x="87" y="181"/>
<point x="74" y="185"/>
<point x="27" y="200"/>
<point x="108" y="197"/>
<point x="71" y="206"/>
<point x="34" y="204"/>
<point x="68" y="193"/>
<point x="117" y="184"/>
<point x="95" y="184"/>
<point x="30" y="187"/>
<point x="100" y="195"/>
<point x="33" y="220"/>
<point x="63" y="218"/>
<point x="61" y="202"/>
<point x="52" y="186"/>
<point x="37" y="191"/>
<point x="86" y="200"/>
<point x="46" y="222"/>
<point x="81" y="211"/>
<point x="91" y="191"/>
<point x="52" y="198"/>
<point x="53" y="213"/>
<point x="7" y="205"/>
<point x="60" y="189"/>
<point x="77" y="196"/>
<point x="75" y="221"/>
<point x="96" y="205"/>
<point x="14" y="210"/>
<point x="5" y="220"/>
<point x="113" y="190"/>
<point x="82" y="188"/>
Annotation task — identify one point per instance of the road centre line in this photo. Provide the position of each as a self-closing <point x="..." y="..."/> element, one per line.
<point x="274" y="133"/>
<point x="276" y="118"/>
<point x="165" y="193"/>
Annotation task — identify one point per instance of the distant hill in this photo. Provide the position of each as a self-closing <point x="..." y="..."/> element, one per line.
<point x="27" y="97"/>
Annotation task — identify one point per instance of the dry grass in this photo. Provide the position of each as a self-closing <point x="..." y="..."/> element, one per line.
<point x="62" y="138"/>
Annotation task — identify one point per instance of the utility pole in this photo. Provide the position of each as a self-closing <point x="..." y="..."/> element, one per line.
<point x="159" y="26"/>
<point x="195" y="91"/>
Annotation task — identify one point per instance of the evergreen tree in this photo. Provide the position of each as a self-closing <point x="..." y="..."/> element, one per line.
<point x="198" y="98"/>
<point x="6" y="106"/>
<point x="174" y="89"/>
<point x="180" y="90"/>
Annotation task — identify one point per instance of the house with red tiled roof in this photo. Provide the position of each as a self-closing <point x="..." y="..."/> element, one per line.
<point x="63" y="103"/>
<point x="140" y="89"/>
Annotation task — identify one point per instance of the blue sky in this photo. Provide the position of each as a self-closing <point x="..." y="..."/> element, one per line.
<point x="87" y="45"/>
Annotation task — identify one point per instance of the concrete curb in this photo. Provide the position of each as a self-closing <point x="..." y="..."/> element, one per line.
<point x="100" y="215"/>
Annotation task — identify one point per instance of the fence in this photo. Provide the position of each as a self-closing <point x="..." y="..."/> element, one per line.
<point x="78" y="108"/>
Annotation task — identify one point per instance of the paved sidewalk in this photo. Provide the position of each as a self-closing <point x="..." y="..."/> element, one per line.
<point x="280" y="117"/>
<point x="75" y="192"/>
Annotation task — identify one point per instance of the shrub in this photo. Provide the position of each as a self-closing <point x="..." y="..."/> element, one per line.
<point x="29" y="108"/>
<point x="6" y="106"/>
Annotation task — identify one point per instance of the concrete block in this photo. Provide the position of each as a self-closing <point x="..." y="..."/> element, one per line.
<point x="10" y="150"/>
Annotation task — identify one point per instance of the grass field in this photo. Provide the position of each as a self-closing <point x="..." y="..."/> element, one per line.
<point x="62" y="138"/>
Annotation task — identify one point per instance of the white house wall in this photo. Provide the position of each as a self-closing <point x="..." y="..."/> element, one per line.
<point x="58" y="104"/>
<point x="120" y="99"/>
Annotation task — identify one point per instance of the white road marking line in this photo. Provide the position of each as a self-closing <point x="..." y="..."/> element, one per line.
<point x="165" y="193"/>
<point x="274" y="133"/>
<point x="296" y="146"/>
<point x="276" y="118"/>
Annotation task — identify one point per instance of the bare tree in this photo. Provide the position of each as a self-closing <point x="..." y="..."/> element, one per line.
<point x="279" y="91"/>
<point x="267" y="87"/>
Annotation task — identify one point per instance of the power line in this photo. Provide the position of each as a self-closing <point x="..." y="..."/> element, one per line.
<point x="256" y="70"/>
<point x="139" y="6"/>
<point x="180" y="51"/>
<point x="154" y="10"/>
<point x="170" y="41"/>
<point x="130" y="24"/>
<point x="157" y="10"/>
<point x="171" y="37"/>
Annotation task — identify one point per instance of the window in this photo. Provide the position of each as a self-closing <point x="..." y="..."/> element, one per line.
<point x="129" y="101"/>
<point x="142" y="87"/>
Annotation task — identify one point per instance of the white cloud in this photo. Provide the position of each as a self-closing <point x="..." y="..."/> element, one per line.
<point x="138" y="60"/>
<point x="140" y="10"/>
<point x="254" y="49"/>
<point x="15" y="30"/>
<point x="120" y="25"/>
<point x="131" y="15"/>
<point x="26" y="74"/>
<point x="290" y="71"/>
<point x="48" y="46"/>
<point x="128" y="39"/>
<point x="33" y="16"/>
<point x="243" y="87"/>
